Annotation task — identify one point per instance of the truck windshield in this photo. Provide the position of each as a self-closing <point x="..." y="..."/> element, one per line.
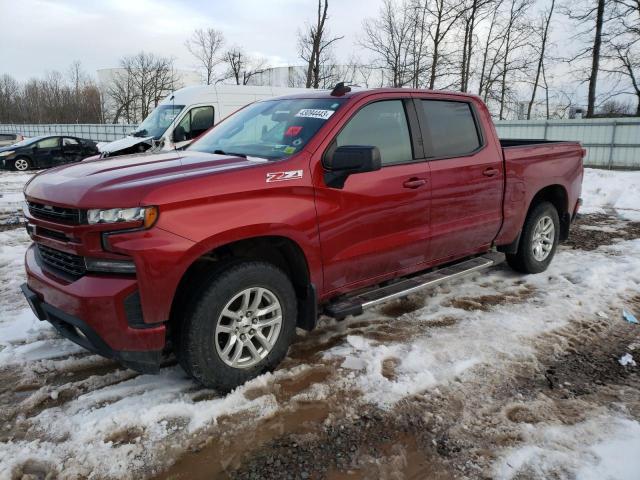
<point x="158" y="121"/>
<point x="271" y="129"/>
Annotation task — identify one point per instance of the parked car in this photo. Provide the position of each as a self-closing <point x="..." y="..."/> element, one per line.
<point x="10" y="139"/>
<point x="46" y="151"/>
<point x="186" y="114"/>
<point x="323" y="202"/>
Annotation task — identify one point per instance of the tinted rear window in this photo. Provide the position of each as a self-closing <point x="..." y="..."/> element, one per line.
<point x="452" y="126"/>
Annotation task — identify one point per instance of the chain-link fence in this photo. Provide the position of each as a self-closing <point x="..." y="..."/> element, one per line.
<point x="90" y="131"/>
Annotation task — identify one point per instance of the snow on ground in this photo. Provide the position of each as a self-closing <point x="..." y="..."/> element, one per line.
<point x="602" y="448"/>
<point x="112" y="423"/>
<point x="11" y="198"/>
<point x="607" y="189"/>
<point x="498" y="334"/>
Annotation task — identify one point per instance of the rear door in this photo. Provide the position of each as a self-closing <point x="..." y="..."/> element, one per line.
<point x="376" y="224"/>
<point x="467" y="177"/>
<point x="71" y="150"/>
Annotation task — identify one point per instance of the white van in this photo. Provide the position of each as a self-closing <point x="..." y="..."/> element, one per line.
<point x="187" y="113"/>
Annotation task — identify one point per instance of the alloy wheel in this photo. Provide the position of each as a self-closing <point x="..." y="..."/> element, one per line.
<point x="543" y="238"/>
<point x="248" y="327"/>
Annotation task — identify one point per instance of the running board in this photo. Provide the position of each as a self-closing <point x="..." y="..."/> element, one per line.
<point x="357" y="304"/>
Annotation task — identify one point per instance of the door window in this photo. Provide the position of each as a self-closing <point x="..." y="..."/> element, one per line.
<point x="51" y="142"/>
<point x="195" y="122"/>
<point x="383" y="125"/>
<point x="452" y="127"/>
<point x="70" y="142"/>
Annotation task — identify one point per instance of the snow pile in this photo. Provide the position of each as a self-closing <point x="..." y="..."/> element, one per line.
<point x="603" y="190"/>
<point x="11" y="197"/>
<point x="627" y="359"/>
<point x="604" y="448"/>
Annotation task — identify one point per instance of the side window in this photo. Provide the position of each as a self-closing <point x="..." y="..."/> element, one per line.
<point x="49" y="142"/>
<point x="194" y="123"/>
<point x="69" y="142"/>
<point x="383" y="125"/>
<point x="452" y="127"/>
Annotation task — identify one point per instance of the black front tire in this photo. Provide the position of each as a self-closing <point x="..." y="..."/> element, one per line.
<point x="196" y="349"/>
<point x="525" y="260"/>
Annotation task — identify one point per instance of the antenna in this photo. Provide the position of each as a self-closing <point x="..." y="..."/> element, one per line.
<point x="340" y="89"/>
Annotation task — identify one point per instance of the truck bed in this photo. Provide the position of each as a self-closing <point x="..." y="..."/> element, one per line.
<point x="525" y="142"/>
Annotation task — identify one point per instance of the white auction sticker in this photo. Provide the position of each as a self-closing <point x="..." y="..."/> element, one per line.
<point x="315" y="113"/>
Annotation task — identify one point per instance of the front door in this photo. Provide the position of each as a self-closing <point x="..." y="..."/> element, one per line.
<point x="48" y="152"/>
<point x="376" y="224"/>
<point x="467" y="178"/>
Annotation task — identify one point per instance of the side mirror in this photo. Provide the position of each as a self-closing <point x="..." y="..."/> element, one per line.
<point x="349" y="159"/>
<point x="179" y="135"/>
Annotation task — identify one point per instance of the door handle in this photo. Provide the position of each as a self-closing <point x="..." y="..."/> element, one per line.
<point x="414" y="183"/>
<point x="491" y="172"/>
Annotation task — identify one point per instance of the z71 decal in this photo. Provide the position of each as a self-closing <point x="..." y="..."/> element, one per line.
<point x="282" y="176"/>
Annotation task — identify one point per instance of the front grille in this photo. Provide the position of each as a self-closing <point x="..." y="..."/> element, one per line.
<point x="67" y="262"/>
<point x="57" y="214"/>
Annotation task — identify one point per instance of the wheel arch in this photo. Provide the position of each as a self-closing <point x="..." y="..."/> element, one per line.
<point x="281" y="251"/>
<point x="556" y="195"/>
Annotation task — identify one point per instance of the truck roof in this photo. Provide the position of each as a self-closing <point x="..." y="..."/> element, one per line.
<point x="359" y="92"/>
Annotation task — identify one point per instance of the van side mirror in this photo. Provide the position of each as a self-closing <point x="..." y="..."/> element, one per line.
<point x="179" y="135"/>
<point x="348" y="160"/>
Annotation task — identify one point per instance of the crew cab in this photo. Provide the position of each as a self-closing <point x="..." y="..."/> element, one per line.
<point x="325" y="202"/>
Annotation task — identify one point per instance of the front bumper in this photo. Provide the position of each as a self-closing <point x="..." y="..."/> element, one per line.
<point x="92" y="312"/>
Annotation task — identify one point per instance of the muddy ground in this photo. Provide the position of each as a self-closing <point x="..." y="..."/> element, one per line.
<point x="448" y="433"/>
<point x="455" y="430"/>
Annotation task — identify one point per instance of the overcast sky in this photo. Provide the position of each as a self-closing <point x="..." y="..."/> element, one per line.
<point x="41" y="35"/>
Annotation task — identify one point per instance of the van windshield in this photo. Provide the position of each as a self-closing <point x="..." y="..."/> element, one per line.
<point x="158" y="121"/>
<point x="271" y="129"/>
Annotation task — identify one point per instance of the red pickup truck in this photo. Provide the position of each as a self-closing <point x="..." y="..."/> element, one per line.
<point x="326" y="202"/>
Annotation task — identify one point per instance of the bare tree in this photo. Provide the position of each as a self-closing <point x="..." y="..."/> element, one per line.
<point x="474" y="12"/>
<point x="590" y="18"/>
<point x="205" y="46"/>
<point x="516" y="35"/>
<point x="389" y="37"/>
<point x="56" y="98"/>
<point x="544" y="35"/>
<point x="445" y="14"/>
<point x="315" y="45"/>
<point x="143" y="81"/>
<point x="491" y="54"/>
<point x="622" y="50"/>
<point x="241" y="67"/>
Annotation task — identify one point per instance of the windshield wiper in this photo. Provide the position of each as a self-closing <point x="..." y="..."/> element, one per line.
<point x="222" y="152"/>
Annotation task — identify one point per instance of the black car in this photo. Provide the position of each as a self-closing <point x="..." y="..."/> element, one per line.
<point x="46" y="151"/>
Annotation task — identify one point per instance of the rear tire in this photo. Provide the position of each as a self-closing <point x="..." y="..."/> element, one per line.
<point x="239" y="326"/>
<point x="538" y="241"/>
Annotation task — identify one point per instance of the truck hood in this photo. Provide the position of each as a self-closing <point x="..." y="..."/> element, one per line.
<point x="123" y="143"/>
<point x="124" y="181"/>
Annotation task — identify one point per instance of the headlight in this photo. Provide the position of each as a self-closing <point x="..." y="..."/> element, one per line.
<point x="6" y="154"/>
<point x="146" y="215"/>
